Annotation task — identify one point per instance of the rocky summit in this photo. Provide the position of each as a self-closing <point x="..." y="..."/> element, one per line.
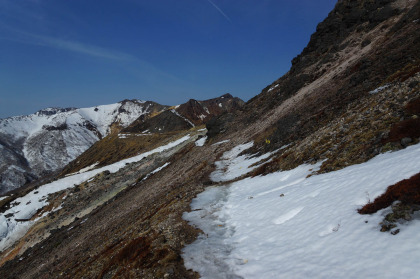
<point x="316" y="176"/>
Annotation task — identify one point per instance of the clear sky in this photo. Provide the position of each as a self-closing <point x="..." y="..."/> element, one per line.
<point x="82" y="53"/>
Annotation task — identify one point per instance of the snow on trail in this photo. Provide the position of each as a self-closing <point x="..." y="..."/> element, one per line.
<point x="284" y="225"/>
<point x="210" y="253"/>
<point x="233" y="166"/>
<point x="25" y="207"/>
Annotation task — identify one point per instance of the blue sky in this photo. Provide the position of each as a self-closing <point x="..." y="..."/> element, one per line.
<point x="81" y="53"/>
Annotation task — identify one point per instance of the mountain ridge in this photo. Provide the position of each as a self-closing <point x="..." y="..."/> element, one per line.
<point x="156" y="128"/>
<point x="37" y="145"/>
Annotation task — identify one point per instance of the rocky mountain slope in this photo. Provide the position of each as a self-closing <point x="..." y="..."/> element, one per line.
<point x="187" y="115"/>
<point x="361" y="46"/>
<point x="35" y="145"/>
<point x="352" y="94"/>
<point x="145" y="133"/>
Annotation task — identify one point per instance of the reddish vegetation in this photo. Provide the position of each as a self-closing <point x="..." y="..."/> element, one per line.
<point x="409" y="128"/>
<point x="406" y="191"/>
<point x="413" y="106"/>
<point x="137" y="248"/>
<point x="132" y="254"/>
<point x="411" y="71"/>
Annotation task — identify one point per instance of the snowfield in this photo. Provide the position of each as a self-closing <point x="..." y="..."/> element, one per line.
<point x="25" y="207"/>
<point x="100" y="116"/>
<point x="288" y="225"/>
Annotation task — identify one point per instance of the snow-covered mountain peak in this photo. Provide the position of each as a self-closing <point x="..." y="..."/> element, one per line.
<point x="52" y="137"/>
<point x="52" y="111"/>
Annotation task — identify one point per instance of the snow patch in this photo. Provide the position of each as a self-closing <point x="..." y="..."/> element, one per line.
<point x="125" y="136"/>
<point x="88" y="168"/>
<point x="379" y="89"/>
<point x="201" y="141"/>
<point x="220" y="142"/>
<point x="185" y="119"/>
<point x="13" y="167"/>
<point x="273" y="87"/>
<point x="156" y="170"/>
<point x="233" y="166"/>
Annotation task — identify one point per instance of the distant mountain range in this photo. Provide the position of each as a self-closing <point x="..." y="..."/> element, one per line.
<point x="34" y="146"/>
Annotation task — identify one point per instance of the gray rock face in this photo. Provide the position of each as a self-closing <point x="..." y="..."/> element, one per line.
<point x="406" y="141"/>
<point x="14" y="169"/>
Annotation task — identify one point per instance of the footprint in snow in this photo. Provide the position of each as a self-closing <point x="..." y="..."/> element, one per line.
<point x="330" y="229"/>
<point x="289" y="215"/>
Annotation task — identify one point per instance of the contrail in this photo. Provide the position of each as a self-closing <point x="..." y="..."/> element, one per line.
<point x="220" y="10"/>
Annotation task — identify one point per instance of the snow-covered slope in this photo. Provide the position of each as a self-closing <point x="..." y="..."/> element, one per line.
<point x="289" y="225"/>
<point x="47" y="140"/>
<point x="24" y="208"/>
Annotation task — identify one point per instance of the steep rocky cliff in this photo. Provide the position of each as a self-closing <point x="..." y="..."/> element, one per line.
<point x="360" y="46"/>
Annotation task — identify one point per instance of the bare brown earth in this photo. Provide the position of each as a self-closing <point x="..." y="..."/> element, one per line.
<point x="321" y="109"/>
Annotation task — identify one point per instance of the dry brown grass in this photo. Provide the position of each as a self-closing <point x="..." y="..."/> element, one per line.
<point x="402" y="75"/>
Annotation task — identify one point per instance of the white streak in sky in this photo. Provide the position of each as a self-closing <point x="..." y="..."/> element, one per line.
<point x="220" y="10"/>
<point x="24" y="37"/>
<point x="75" y="46"/>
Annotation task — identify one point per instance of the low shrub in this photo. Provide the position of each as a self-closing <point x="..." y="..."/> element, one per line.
<point x="407" y="191"/>
<point x="409" y="128"/>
